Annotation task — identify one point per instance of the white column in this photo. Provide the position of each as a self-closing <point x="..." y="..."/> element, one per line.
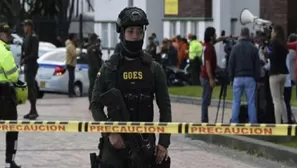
<point x="221" y="13"/>
<point x="201" y="26"/>
<point x="166" y="29"/>
<point x="177" y="28"/>
<point x="189" y="28"/>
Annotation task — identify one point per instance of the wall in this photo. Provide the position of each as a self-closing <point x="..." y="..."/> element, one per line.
<point x="154" y="13"/>
<point x="238" y="6"/>
<point x="276" y="11"/>
<point x="193" y="8"/>
<point x="106" y="15"/>
<point x="105" y="22"/>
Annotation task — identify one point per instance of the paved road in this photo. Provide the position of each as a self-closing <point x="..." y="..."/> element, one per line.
<point x="64" y="150"/>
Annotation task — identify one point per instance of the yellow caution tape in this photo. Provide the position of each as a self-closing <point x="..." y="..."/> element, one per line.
<point x="149" y="127"/>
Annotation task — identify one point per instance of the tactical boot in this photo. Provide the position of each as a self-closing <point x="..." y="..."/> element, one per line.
<point x="31" y="116"/>
<point x="12" y="165"/>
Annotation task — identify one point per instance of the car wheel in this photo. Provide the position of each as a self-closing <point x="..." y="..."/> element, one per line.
<point x="78" y="90"/>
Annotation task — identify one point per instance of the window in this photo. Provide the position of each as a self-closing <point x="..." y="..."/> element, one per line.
<point x="183" y="29"/>
<point x="104" y="35"/>
<point x="172" y="29"/>
<point x="114" y="35"/>
<point x="194" y="28"/>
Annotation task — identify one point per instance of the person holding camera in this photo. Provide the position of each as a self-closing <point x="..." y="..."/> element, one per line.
<point x="244" y="72"/>
<point x="278" y="72"/>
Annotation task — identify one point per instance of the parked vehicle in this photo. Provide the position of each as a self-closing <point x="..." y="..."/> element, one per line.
<point x="175" y="76"/>
<point x="46" y="44"/>
<point x="52" y="75"/>
<point x="16" y="47"/>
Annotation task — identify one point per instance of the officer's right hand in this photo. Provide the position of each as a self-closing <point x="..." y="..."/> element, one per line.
<point x="116" y="141"/>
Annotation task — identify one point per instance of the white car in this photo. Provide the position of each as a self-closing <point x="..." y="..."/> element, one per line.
<point x="16" y="47"/>
<point x="46" y="44"/>
<point x="44" y="50"/>
<point x="52" y="75"/>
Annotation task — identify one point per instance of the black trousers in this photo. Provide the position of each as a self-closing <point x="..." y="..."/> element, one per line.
<point x="287" y="97"/>
<point x="9" y="112"/>
<point x="92" y="72"/>
<point x="71" y="71"/>
<point x="195" y="65"/>
<point x="30" y="74"/>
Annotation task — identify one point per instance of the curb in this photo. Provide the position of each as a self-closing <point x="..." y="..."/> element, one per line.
<point x="253" y="145"/>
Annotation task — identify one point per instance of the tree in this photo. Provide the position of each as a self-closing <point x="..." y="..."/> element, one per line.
<point x="11" y="10"/>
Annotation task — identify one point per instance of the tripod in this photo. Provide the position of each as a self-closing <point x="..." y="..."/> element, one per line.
<point x="223" y="94"/>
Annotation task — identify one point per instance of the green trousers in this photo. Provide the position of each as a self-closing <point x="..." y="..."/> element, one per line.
<point x="92" y="72"/>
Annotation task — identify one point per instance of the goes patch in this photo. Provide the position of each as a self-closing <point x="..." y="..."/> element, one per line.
<point x="134" y="75"/>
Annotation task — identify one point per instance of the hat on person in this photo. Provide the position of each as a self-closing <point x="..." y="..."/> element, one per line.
<point x="93" y="36"/>
<point x="28" y="22"/>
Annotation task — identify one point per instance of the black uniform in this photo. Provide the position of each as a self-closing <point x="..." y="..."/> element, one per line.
<point x="134" y="79"/>
<point x="139" y="80"/>
<point x="29" y="59"/>
<point x="95" y="62"/>
<point x="9" y="112"/>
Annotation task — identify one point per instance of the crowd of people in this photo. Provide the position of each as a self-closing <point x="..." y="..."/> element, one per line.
<point x="265" y="73"/>
<point x="179" y="49"/>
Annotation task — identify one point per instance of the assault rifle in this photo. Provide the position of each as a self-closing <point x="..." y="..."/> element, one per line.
<point x="140" y="149"/>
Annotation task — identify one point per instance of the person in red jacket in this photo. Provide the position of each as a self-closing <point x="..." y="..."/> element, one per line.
<point x="293" y="46"/>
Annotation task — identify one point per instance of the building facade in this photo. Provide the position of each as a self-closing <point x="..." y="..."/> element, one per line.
<point x="106" y="16"/>
<point x="182" y="17"/>
<point x="87" y="9"/>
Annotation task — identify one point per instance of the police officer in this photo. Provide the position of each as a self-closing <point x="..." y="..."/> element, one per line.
<point x="134" y="73"/>
<point x="8" y="74"/>
<point x="94" y="60"/>
<point x="29" y="59"/>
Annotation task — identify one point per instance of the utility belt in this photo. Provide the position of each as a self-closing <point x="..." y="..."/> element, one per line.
<point x="140" y="106"/>
<point x="138" y="98"/>
<point x="7" y="90"/>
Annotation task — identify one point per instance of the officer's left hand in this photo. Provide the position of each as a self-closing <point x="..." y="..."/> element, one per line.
<point x="161" y="154"/>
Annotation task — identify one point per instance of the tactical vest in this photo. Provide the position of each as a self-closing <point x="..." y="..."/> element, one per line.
<point x="135" y="81"/>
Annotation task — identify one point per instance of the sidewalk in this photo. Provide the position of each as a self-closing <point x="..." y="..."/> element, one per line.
<point x="65" y="150"/>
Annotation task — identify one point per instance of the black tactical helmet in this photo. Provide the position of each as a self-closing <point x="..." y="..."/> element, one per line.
<point x="131" y="16"/>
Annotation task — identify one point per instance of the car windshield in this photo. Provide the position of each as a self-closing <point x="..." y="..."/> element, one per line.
<point x="57" y="56"/>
